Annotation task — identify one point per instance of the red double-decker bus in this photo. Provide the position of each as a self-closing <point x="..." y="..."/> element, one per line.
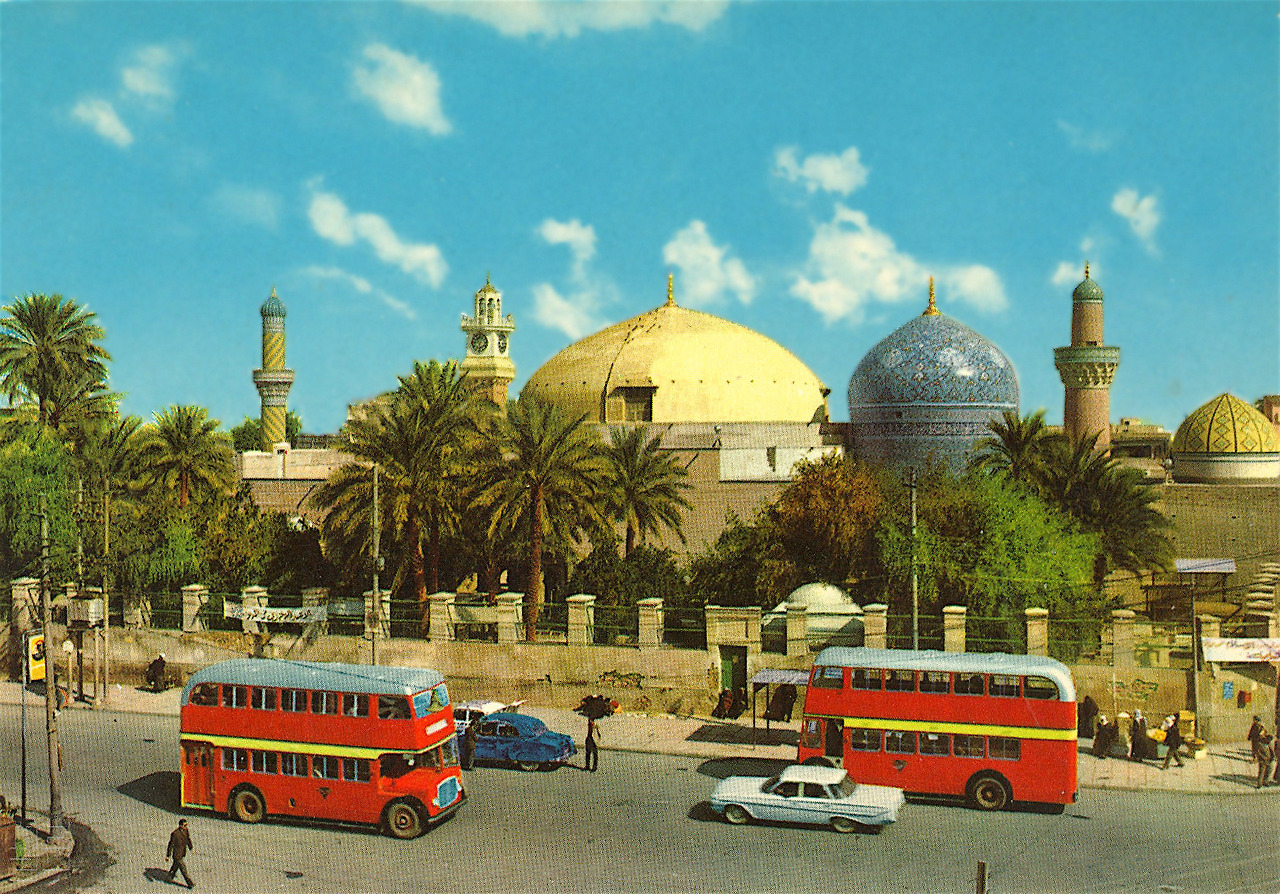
<point x="348" y="742"/>
<point x="990" y="727"/>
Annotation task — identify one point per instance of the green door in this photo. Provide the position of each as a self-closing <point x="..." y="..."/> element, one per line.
<point x="733" y="668"/>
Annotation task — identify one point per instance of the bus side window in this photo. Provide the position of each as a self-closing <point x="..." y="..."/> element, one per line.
<point x="1040" y="687"/>
<point x="293" y="700"/>
<point x="810" y="733"/>
<point x="324" y="702"/>
<point x="968" y="746"/>
<point x="935" y="743"/>
<point x="828" y="677"/>
<point x="864" y="739"/>
<point x="205" y="694"/>
<point x="355" y="769"/>
<point x="899" y="742"/>
<point x="355" y="705"/>
<point x="293" y="764"/>
<point x="1004" y="749"/>
<point x="235" y="759"/>
<point x="1004" y="686"/>
<point x="393" y="707"/>
<point x="262" y="699"/>
<point x="900" y="681"/>
<point x="865" y="678"/>
<point x="234" y="696"/>
<point x="935" y="681"/>
<point x="969" y="684"/>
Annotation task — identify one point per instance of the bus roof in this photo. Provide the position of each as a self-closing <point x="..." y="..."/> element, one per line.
<point x="283" y="674"/>
<point x="962" y="662"/>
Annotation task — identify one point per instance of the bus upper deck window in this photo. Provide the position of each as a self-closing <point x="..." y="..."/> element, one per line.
<point x="935" y="681"/>
<point x="263" y="699"/>
<point x="324" y="702"/>
<point x="1040" y="687"/>
<point x="865" y="678"/>
<point x="393" y="707"/>
<point x="293" y="700"/>
<point x="354" y="705"/>
<point x="900" y="681"/>
<point x="1004" y="686"/>
<point x="828" y="677"/>
<point x="969" y="684"/>
<point x="204" y="694"/>
<point x="234" y="696"/>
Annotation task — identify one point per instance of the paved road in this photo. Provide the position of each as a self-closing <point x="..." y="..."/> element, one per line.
<point x="640" y="824"/>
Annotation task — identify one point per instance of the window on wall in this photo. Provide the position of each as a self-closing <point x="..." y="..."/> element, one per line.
<point x="637" y="403"/>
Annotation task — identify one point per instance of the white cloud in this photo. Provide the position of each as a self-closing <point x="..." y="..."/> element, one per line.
<point x="332" y="220"/>
<point x="841" y="173"/>
<point x="852" y="266"/>
<point x="576" y="313"/>
<point x="1091" y="141"/>
<point x="150" y="76"/>
<point x="562" y="18"/>
<point x="361" y="285"/>
<point x="1141" y="213"/>
<point x="706" y="274"/>
<point x="405" y="89"/>
<point x="102" y="119"/>
<point x="1070" y="273"/>
<point x="260" y="207"/>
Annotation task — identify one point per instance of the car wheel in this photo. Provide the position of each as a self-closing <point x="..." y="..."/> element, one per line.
<point x="736" y="814"/>
<point x="247" y="805"/>
<point x="843" y="824"/>
<point x="989" y="791"/>
<point x="527" y="766"/>
<point x="403" y="820"/>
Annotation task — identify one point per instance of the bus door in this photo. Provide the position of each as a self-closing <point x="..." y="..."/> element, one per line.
<point x="833" y="741"/>
<point x="197" y="774"/>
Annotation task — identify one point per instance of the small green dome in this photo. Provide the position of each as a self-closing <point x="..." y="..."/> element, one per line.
<point x="1226" y="424"/>
<point x="273" y="306"/>
<point x="1088" y="290"/>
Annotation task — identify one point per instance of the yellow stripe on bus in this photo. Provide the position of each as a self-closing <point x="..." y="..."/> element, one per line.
<point x="967" y="729"/>
<point x="292" y="747"/>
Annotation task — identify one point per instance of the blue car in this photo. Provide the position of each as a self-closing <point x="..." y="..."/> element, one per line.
<point x="521" y="740"/>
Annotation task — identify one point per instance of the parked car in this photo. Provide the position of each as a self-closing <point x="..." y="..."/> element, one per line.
<point x="522" y="740"/>
<point x="807" y="794"/>
<point x="469" y="712"/>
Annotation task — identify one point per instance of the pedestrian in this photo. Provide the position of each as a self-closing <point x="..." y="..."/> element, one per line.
<point x="469" y="745"/>
<point x="592" y="760"/>
<point x="1254" y="730"/>
<point x="1172" y="740"/>
<point x="1138" y="738"/>
<point x="179" y="844"/>
<point x="155" y="674"/>
<point x="1105" y="736"/>
<point x="1264" y="753"/>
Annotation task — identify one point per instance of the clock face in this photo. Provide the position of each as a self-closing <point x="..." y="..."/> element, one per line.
<point x="479" y="342"/>
<point x="502" y="344"/>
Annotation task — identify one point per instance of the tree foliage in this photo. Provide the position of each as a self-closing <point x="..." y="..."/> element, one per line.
<point x="183" y="451"/>
<point x="50" y="354"/>
<point x="248" y="434"/>
<point x="645" y="485"/>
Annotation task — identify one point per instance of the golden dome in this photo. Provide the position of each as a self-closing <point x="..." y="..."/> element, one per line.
<point x="673" y="364"/>
<point x="1226" y="424"/>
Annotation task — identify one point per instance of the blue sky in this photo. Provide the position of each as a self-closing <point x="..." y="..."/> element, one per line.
<point x="802" y="168"/>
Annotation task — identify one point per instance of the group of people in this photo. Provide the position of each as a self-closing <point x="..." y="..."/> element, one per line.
<point x="1264" y="752"/>
<point x="1142" y="746"/>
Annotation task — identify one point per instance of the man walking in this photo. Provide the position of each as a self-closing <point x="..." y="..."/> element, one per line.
<point x="593" y="745"/>
<point x="179" y="844"/>
<point x="1173" y="739"/>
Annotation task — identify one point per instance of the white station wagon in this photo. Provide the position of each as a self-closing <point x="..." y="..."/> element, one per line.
<point x="807" y="794"/>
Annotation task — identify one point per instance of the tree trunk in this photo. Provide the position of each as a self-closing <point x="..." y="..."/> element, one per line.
<point x="533" y="596"/>
<point x="433" y="555"/>
<point x="417" y="565"/>
<point x="184" y="489"/>
<point x="631" y="539"/>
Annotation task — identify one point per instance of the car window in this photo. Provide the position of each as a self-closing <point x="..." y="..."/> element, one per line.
<point x="814" y="790"/>
<point x="509" y="731"/>
<point x="787" y="789"/>
<point x="487" y="729"/>
<point x="844" y="789"/>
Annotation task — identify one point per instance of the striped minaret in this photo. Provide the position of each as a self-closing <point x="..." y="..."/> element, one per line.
<point x="273" y="380"/>
<point x="1087" y="367"/>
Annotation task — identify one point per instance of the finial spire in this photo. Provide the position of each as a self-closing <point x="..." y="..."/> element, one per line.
<point x="1086" y="269"/>
<point x="671" y="290"/>
<point x="932" y="309"/>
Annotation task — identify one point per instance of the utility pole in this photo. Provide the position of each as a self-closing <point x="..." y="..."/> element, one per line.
<point x="915" y="583"/>
<point x="106" y="593"/>
<point x="57" y="831"/>
<point x="377" y="561"/>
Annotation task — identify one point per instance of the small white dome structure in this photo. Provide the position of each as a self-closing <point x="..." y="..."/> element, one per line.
<point x="831" y="617"/>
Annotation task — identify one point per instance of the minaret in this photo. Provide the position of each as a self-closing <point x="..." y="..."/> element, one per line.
<point x="487" y="364"/>
<point x="273" y="380"/>
<point x="1087" y="367"/>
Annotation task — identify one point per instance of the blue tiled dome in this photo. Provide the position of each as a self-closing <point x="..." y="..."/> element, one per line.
<point x="1088" y="290"/>
<point x="933" y="359"/>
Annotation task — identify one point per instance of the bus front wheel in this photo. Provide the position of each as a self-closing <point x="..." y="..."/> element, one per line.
<point x="403" y="820"/>
<point x="989" y="791"/>
<point x="247" y="805"/>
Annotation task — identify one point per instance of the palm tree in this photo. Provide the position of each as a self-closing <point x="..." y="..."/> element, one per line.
<point x="183" y="448"/>
<point x="645" y="484"/>
<point x="546" y="473"/>
<point x="46" y="342"/>
<point x="1019" y="447"/>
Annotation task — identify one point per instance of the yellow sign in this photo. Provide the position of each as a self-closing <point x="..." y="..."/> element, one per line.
<point x="35" y="656"/>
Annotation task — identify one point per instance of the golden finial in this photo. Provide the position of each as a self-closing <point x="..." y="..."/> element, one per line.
<point x="1086" y="269"/>
<point x="932" y="309"/>
<point x="273" y="290"/>
<point x="671" y="290"/>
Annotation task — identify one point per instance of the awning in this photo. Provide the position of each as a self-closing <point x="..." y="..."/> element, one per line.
<point x="776" y="675"/>
<point x="1244" y="649"/>
<point x="1205" y="566"/>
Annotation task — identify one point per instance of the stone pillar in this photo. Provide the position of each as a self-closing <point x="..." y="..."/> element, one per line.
<point x="194" y="598"/>
<point x="1258" y="617"/>
<point x="251" y="598"/>
<point x="953" y="627"/>
<point x="875" y="625"/>
<point x="1037" y="631"/>
<point x="510" y="618"/>
<point x="797" y="629"/>
<point x="441" y="628"/>
<point x="315" y="597"/>
<point x="1122" y="637"/>
<point x="1210" y="626"/>
<point x="381" y="624"/>
<point x="651" y="622"/>
<point x="582" y="619"/>
<point x="733" y="626"/>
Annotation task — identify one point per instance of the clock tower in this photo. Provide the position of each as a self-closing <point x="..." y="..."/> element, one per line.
<point x="487" y="364"/>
